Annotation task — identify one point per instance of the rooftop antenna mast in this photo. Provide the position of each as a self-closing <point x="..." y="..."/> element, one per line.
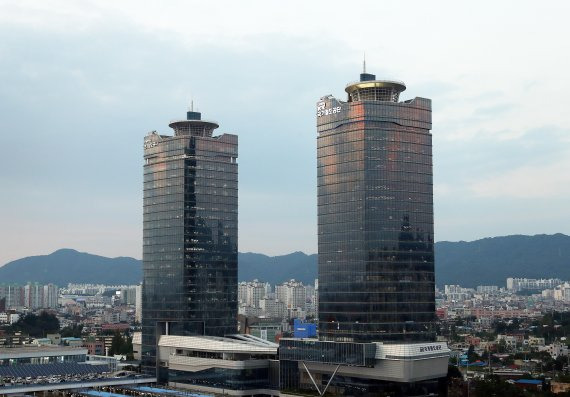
<point x="364" y="63"/>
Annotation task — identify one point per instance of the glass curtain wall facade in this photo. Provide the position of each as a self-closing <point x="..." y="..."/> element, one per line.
<point x="190" y="234"/>
<point x="375" y="215"/>
<point x="224" y="378"/>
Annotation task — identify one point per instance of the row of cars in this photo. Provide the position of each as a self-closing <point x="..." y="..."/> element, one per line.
<point x="20" y="381"/>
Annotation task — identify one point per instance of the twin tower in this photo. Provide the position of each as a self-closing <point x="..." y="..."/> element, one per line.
<point x="375" y="228"/>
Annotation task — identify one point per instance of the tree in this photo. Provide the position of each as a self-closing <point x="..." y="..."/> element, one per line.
<point x="502" y="346"/>
<point x="128" y="349"/>
<point x="122" y="345"/>
<point x="454" y="372"/>
<point x="73" y="331"/>
<point x="37" y="326"/>
<point x="116" y="344"/>
<point x="471" y="355"/>
<point x="494" y="386"/>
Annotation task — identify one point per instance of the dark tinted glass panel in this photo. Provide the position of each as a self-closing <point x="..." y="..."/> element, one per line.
<point x="347" y="353"/>
<point x="224" y="378"/>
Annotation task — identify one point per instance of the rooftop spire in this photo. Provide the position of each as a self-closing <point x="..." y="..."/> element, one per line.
<point x="191" y="114"/>
<point x="366" y="76"/>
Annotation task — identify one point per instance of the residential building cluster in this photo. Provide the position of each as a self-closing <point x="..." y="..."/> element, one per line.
<point x="521" y="284"/>
<point x="509" y="331"/>
<point x="95" y="307"/>
<point x="488" y="302"/>
<point x="29" y="296"/>
<point x="459" y="302"/>
<point x="289" y="300"/>
<point x="99" y="307"/>
<point x="15" y="300"/>
<point x="560" y="293"/>
<point x="503" y="347"/>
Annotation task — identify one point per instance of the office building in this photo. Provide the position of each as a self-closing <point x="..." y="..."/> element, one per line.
<point x="376" y="255"/>
<point x="190" y="234"/>
<point x="375" y="211"/>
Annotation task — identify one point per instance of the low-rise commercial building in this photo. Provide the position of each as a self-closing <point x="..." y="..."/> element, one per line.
<point x="46" y="354"/>
<point x="309" y="364"/>
<point x="236" y="365"/>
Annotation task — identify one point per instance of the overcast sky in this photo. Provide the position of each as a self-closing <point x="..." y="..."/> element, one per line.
<point x="82" y="82"/>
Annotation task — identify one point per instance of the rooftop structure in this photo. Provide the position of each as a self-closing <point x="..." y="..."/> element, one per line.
<point x="193" y="125"/>
<point x="368" y="88"/>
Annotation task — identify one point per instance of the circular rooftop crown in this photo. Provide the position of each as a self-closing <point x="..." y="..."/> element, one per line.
<point x="368" y="88"/>
<point x="193" y="125"/>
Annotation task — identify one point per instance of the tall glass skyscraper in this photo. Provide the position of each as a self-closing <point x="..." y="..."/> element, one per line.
<point x="190" y="234"/>
<point x="376" y="251"/>
<point x="375" y="215"/>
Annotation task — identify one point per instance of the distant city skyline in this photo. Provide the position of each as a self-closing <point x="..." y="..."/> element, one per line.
<point x="81" y="83"/>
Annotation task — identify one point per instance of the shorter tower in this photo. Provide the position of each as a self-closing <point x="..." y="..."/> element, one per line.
<point x="190" y="215"/>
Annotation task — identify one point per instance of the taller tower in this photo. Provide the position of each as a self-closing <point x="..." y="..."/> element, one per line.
<point x="375" y="215"/>
<point x="376" y="263"/>
<point x="190" y="234"/>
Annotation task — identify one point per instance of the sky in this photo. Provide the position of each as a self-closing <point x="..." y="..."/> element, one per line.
<point x="82" y="83"/>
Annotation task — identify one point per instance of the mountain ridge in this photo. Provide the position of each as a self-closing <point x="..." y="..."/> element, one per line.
<point x="486" y="261"/>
